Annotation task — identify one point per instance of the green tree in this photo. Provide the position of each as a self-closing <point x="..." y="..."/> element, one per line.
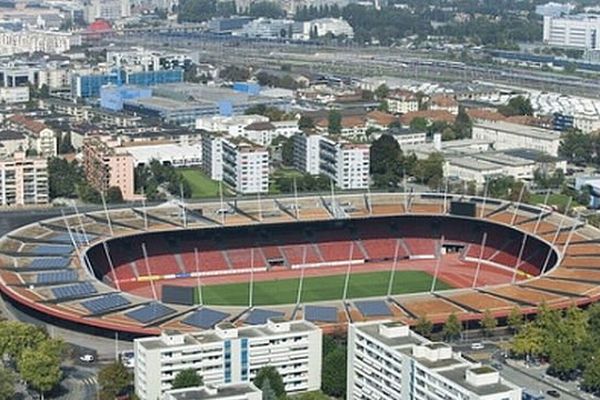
<point x="419" y="124"/>
<point x="333" y="381"/>
<point x="563" y="361"/>
<point x="287" y="151"/>
<point x="40" y="368"/>
<point x="382" y="91"/>
<point x="266" y="9"/>
<point x="187" y="378"/>
<point x="517" y="106"/>
<point x="65" y="146"/>
<point x="88" y="194"/>
<point x="431" y="170"/>
<point x="16" y="337"/>
<point x="576" y="147"/>
<point x="334" y="122"/>
<point x="488" y="323"/>
<point x="591" y="374"/>
<point x="113" y="380"/>
<point x="515" y="319"/>
<point x="386" y="161"/>
<point x="267" y="391"/>
<point x="63" y="177"/>
<point x="306" y="122"/>
<point x="8" y="379"/>
<point x="424" y="326"/>
<point x="463" y="126"/>
<point x="528" y="342"/>
<point x="114" y="195"/>
<point x="383" y="106"/>
<point x="452" y="328"/>
<point x="275" y="382"/>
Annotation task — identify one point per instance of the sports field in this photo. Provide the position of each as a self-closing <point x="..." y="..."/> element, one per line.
<point x="321" y="288"/>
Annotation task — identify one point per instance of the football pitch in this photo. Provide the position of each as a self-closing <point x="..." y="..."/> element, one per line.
<point x="319" y="288"/>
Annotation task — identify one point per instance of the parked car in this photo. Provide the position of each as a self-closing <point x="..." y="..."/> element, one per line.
<point x="553" y="393"/>
<point x="477" y="346"/>
<point x="87" y="358"/>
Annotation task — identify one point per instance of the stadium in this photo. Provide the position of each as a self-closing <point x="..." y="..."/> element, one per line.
<point x="332" y="260"/>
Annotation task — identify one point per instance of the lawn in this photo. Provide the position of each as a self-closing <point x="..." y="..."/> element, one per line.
<point x="201" y="185"/>
<point x="556" y="199"/>
<point x="284" y="291"/>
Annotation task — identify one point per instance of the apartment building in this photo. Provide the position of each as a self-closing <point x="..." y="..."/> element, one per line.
<point x="387" y="361"/>
<point x="231" y="355"/>
<point x="581" y="31"/>
<point x="240" y="163"/>
<point x="402" y="101"/>
<point x="107" y="165"/>
<point x="23" y="181"/>
<point x="241" y="391"/>
<point x="506" y="135"/>
<point x="41" y="137"/>
<point x="346" y="163"/>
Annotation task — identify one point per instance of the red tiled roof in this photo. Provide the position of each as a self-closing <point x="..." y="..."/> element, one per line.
<point x="430" y="115"/>
<point x="29" y="124"/>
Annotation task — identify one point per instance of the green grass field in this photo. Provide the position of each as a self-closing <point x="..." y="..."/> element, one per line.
<point x="201" y="185"/>
<point x="556" y="199"/>
<point x="320" y="288"/>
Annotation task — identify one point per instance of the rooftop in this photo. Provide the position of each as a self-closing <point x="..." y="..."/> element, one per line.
<point x="204" y="393"/>
<point x="458" y="376"/>
<point x="517" y="129"/>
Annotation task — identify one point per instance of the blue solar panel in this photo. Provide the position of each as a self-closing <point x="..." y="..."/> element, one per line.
<point x="320" y="314"/>
<point x="373" y="308"/>
<point x="53" y="250"/>
<point x="105" y="303"/>
<point x="73" y="291"/>
<point x="64" y="237"/>
<point x="49" y="263"/>
<point x="150" y="312"/>
<point x="46" y="278"/>
<point x="259" y="317"/>
<point x="205" y="318"/>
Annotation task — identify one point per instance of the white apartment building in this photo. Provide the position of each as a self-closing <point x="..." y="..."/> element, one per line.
<point x="241" y="391"/>
<point x="12" y="142"/>
<point x="586" y="123"/>
<point x="387" y="361"/>
<point x="347" y="164"/>
<point x="233" y="125"/>
<point x="23" y="181"/>
<point x="241" y="164"/>
<point x="581" y="31"/>
<point x="37" y="41"/>
<point x="307" y="153"/>
<point x="230" y="355"/>
<point x="14" y="95"/>
<point x="147" y="59"/>
<point x="402" y="102"/>
<point x="107" y="9"/>
<point x="505" y="136"/>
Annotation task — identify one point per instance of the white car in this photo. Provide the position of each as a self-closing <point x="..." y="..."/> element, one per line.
<point x="86" y="358"/>
<point x="477" y="346"/>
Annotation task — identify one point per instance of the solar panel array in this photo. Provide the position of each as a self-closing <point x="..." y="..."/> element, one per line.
<point x="259" y="317"/>
<point x="49" y="263"/>
<point x="64" y="237"/>
<point x="373" y="308"/>
<point x="74" y="291"/>
<point x="205" y="318"/>
<point x="150" y="312"/>
<point x="105" y="303"/>
<point x="53" y="250"/>
<point x="320" y="314"/>
<point x="47" y="278"/>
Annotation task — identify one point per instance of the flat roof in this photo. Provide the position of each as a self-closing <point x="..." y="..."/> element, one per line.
<point x="524" y="130"/>
<point x="396" y="342"/>
<point x="458" y="376"/>
<point x="223" y="391"/>
<point x="474" y="163"/>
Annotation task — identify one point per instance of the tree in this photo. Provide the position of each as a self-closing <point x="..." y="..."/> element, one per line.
<point x="576" y="147"/>
<point x="63" y="177"/>
<point x="8" y="380"/>
<point x="424" y="326"/>
<point x="270" y="373"/>
<point x="333" y="381"/>
<point x="266" y="9"/>
<point x="463" y="126"/>
<point x="187" y="378"/>
<point x="40" y="368"/>
<point x="452" y="328"/>
<point x="386" y="162"/>
<point x="334" y="122"/>
<point x="65" y="145"/>
<point x="430" y="170"/>
<point x="591" y="375"/>
<point x="16" y="337"/>
<point x="488" y="323"/>
<point x="516" y="106"/>
<point x="114" y="195"/>
<point x="514" y="319"/>
<point x="88" y="194"/>
<point x="287" y="151"/>
<point x="383" y="106"/>
<point x="419" y="124"/>
<point x="306" y="122"/>
<point x="113" y="380"/>
<point x="382" y="91"/>
<point x="528" y="342"/>
<point x="563" y="361"/>
<point x="267" y="392"/>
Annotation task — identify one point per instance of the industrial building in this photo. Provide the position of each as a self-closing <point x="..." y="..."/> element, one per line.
<point x="231" y="355"/>
<point x="386" y="360"/>
<point x="505" y="136"/>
